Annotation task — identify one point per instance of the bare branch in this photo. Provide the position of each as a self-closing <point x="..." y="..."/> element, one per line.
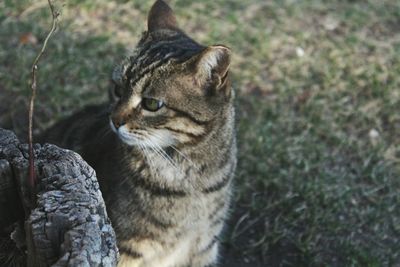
<point x="55" y="14"/>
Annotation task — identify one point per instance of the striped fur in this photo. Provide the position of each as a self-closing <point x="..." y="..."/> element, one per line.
<point x="166" y="176"/>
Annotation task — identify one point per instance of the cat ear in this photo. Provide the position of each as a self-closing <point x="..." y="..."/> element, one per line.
<point x="212" y="66"/>
<point x="161" y="16"/>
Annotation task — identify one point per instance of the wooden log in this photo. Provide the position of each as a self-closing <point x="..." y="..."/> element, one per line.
<point x="67" y="223"/>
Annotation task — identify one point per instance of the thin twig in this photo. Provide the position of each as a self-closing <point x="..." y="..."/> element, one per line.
<point x="55" y="14"/>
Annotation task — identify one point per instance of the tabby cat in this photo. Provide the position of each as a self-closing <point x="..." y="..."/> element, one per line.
<point x="165" y="149"/>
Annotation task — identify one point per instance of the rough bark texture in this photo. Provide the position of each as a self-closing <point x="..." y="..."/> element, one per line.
<point x="67" y="223"/>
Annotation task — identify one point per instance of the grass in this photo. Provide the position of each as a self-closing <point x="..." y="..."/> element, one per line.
<point x="318" y="85"/>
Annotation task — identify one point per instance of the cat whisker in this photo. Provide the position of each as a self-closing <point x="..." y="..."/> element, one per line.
<point x="126" y="179"/>
<point x="104" y="132"/>
<point x="147" y="155"/>
<point x="184" y="156"/>
<point x="157" y="136"/>
<point x="156" y="148"/>
<point x="161" y="155"/>
<point x="165" y="154"/>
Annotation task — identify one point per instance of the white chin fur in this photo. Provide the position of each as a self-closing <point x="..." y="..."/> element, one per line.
<point x="158" y="138"/>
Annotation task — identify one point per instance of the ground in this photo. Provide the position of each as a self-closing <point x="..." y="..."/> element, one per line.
<point x="318" y="101"/>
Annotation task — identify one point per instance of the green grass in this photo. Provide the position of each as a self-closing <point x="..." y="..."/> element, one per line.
<point x="319" y="133"/>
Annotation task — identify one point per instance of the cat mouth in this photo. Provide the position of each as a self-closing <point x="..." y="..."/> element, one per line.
<point x="125" y="136"/>
<point x="143" y="138"/>
<point x="129" y="140"/>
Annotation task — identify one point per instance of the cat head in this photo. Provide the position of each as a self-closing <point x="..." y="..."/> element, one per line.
<point x="171" y="90"/>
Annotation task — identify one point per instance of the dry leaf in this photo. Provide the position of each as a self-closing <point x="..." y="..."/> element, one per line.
<point x="28" y="38"/>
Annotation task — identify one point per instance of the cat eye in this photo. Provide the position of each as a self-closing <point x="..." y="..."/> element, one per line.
<point x="152" y="104"/>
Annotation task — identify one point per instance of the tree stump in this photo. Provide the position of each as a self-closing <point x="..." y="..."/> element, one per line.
<point x="63" y="220"/>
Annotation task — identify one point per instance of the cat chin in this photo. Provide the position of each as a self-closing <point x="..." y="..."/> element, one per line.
<point x="129" y="140"/>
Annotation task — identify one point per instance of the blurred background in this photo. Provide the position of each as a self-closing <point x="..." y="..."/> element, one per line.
<point x="318" y="100"/>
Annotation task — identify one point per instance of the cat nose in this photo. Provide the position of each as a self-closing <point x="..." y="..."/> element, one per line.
<point x="117" y="123"/>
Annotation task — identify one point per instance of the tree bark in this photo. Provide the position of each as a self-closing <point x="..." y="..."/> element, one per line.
<point x="64" y="218"/>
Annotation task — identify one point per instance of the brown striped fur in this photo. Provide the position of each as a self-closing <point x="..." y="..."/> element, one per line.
<point x="165" y="175"/>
